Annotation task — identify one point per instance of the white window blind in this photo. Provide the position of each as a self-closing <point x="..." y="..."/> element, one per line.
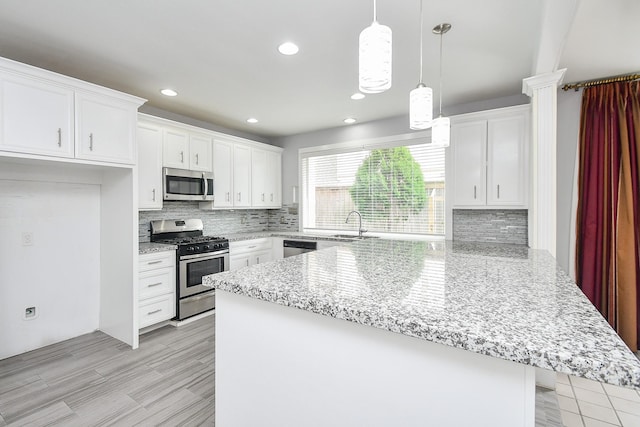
<point x="396" y="189"/>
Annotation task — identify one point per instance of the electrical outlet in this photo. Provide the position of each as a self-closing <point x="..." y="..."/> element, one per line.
<point x="30" y="313"/>
<point x="27" y="238"/>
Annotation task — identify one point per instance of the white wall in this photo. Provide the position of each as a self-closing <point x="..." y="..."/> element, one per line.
<point x="59" y="274"/>
<point x="567" y="144"/>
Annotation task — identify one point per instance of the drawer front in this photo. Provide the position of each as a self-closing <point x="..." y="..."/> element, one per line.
<point x="155" y="260"/>
<point x="156" y="310"/>
<point x="253" y="245"/>
<point x="156" y="282"/>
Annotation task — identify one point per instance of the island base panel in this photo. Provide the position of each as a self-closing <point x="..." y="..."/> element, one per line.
<point x="280" y="366"/>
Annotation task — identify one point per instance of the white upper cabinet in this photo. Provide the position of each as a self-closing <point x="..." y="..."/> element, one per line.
<point x="200" y="148"/>
<point x="241" y="176"/>
<point x="223" y="174"/>
<point x="37" y="118"/>
<point x="105" y="129"/>
<point x="149" y="166"/>
<point x="469" y="150"/>
<point x="490" y="159"/>
<point x="266" y="178"/>
<point x="175" y="148"/>
<point x="506" y="159"/>
<point x="47" y="114"/>
<point x="184" y="149"/>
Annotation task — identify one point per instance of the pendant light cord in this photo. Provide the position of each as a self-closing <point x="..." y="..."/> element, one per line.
<point x="441" y="33"/>
<point x="375" y="12"/>
<point x="421" y="23"/>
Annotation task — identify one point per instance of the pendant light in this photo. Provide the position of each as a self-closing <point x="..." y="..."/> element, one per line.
<point x="420" y="98"/>
<point x="440" y="128"/>
<point x="375" y="57"/>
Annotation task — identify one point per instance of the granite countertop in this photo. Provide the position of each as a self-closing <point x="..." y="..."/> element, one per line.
<point x="504" y="301"/>
<point x="148" y="247"/>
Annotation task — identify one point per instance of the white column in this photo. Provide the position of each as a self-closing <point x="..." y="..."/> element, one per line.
<point x="543" y="90"/>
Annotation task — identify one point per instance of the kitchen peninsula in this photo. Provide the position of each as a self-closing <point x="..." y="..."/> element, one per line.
<point x="385" y="332"/>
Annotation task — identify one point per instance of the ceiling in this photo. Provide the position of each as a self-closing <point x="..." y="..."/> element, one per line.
<point x="221" y="56"/>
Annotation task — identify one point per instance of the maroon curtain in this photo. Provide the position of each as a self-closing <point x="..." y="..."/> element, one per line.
<point x="608" y="217"/>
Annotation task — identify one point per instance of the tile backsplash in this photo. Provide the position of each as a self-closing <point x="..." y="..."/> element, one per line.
<point x="491" y="225"/>
<point x="222" y="222"/>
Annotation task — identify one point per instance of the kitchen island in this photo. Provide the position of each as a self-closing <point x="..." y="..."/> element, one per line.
<point x="384" y="332"/>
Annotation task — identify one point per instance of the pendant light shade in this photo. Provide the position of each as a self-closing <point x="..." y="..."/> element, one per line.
<point x="440" y="131"/>
<point x="441" y="128"/>
<point x="375" y="57"/>
<point x="421" y="98"/>
<point x="420" y="107"/>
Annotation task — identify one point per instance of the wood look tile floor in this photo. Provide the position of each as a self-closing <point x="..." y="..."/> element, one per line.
<point x="94" y="380"/>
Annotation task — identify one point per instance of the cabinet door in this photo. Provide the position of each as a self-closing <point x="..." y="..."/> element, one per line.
<point x="223" y="174"/>
<point x="149" y="167"/>
<point x="106" y="129"/>
<point x="175" y="149"/>
<point x="241" y="175"/>
<point x="274" y="179"/>
<point x="36" y="118"/>
<point x="239" y="261"/>
<point x="506" y="161"/>
<point x="200" y="153"/>
<point x="262" y="257"/>
<point x="468" y="142"/>
<point x="259" y="177"/>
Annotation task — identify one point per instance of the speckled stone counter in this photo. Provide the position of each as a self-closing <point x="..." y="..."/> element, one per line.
<point x="508" y="302"/>
<point x="148" y="248"/>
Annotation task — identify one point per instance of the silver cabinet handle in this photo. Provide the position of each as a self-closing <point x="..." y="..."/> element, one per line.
<point x="251" y="247"/>
<point x="206" y="186"/>
<point x="258" y="260"/>
<point x="154" y="262"/>
<point x="247" y="263"/>
<point x="263" y="197"/>
<point x="272" y="197"/>
<point x="154" y="312"/>
<point x="153" y="192"/>
<point x="239" y="196"/>
<point x="474" y="191"/>
<point x="197" y="159"/>
<point x="90" y="142"/>
<point x="498" y="191"/>
<point x="154" y="284"/>
<point x="227" y="197"/>
<point x="182" y="157"/>
<point x="59" y="137"/>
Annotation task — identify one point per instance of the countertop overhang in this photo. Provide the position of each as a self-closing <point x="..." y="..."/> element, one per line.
<point x="503" y="301"/>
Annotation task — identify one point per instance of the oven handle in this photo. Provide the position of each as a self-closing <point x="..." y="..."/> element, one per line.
<point x="206" y="186"/>
<point x="205" y="255"/>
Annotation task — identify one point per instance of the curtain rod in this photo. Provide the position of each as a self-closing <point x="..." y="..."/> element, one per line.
<point x="589" y="83"/>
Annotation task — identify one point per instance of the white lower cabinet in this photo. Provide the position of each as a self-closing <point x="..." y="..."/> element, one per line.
<point x="250" y="252"/>
<point x="156" y="288"/>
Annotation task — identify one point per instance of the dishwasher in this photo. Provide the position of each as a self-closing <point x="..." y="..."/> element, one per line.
<point x="297" y="247"/>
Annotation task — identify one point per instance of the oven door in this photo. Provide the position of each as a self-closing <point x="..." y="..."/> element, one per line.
<point x="193" y="267"/>
<point x="180" y="184"/>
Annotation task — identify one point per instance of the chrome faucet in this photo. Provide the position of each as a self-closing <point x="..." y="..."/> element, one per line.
<point x="360" y="230"/>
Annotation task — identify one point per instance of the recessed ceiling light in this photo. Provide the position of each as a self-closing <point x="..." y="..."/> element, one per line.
<point x="349" y="120"/>
<point x="168" y="92"/>
<point x="357" y="96"/>
<point x="252" y="120"/>
<point x="288" y="48"/>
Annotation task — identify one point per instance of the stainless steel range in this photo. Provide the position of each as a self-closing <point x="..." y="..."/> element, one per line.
<point x="197" y="255"/>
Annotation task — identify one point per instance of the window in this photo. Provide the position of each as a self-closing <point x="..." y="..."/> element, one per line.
<point x="397" y="189"/>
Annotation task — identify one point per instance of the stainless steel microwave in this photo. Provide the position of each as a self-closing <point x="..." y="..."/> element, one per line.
<point x="182" y="184"/>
